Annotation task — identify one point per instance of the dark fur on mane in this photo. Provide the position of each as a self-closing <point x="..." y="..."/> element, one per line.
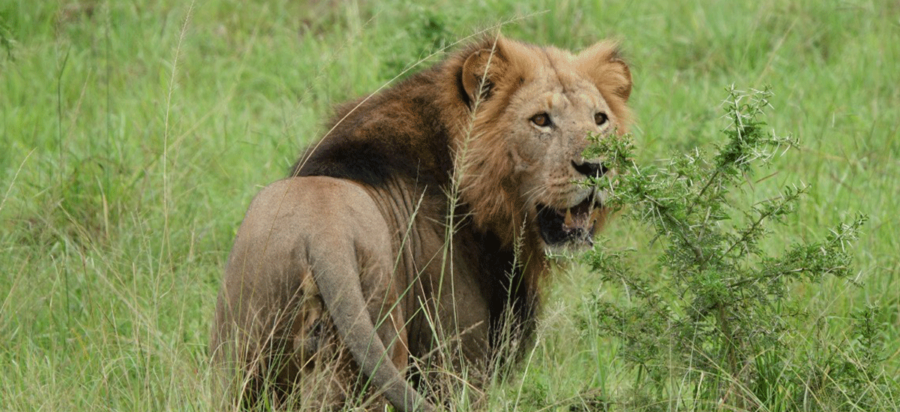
<point x="395" y="134"/>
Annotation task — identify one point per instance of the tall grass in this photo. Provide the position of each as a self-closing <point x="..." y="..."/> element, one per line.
<point x="98" y="312"/>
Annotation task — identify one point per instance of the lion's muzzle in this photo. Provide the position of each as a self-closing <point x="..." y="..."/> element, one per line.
<point x="574" y="225"/>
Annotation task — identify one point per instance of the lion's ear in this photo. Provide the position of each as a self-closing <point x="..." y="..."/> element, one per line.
<point x="604" y="66"/>
<point x="479" y="70"/>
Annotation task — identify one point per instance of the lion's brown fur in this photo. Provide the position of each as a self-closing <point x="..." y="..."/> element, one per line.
<point x="406" y="148"/>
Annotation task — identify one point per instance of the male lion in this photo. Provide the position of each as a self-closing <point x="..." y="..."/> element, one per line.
<point x="360" y="260"/>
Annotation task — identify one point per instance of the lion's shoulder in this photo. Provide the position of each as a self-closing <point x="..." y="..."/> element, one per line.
<point x="395" y="134"/>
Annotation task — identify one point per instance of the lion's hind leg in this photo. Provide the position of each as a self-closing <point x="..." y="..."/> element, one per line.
<point x="289" y="359"/>
<point x="293" y="318"/>
<point x="320" y="373"/>
<point x="302" y="366"/>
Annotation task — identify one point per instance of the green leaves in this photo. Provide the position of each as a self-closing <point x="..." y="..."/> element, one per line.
<point x="715" y="299"/>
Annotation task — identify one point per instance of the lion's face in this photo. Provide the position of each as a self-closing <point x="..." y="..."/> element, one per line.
<point x="552" y="117"/>
<point x="539" y="108"/>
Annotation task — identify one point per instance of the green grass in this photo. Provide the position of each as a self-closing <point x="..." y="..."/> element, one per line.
<point x="134" y="135"/>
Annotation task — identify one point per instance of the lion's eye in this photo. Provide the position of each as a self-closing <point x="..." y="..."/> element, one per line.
<point x="600" y="118"/>
<point x="541" y="120"/>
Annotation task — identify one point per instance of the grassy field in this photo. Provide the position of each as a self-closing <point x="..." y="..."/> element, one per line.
<point x="134" y="135"/>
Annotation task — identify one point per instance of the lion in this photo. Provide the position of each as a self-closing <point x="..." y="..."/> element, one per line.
<point x="420" y="224"/>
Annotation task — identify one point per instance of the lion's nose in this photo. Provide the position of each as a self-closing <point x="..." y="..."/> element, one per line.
<point x="593" y="169"/>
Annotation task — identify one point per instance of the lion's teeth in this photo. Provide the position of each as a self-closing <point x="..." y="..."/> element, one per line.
<point x="569" y="222"/>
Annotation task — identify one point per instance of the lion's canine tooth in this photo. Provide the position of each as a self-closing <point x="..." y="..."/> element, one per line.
<point x="569" y="222"/>
<point x="595" y="216"/>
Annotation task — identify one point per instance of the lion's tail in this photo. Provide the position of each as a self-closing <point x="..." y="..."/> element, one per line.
<point x="338" y="283"/>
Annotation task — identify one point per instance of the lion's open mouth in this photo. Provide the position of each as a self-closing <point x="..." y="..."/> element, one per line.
<point x="574" y="225"/>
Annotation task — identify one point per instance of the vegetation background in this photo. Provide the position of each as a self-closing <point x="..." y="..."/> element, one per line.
<point x="134" y="135"/>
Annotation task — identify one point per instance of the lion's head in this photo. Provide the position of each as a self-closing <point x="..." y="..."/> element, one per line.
<point x="534" y="108"/>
